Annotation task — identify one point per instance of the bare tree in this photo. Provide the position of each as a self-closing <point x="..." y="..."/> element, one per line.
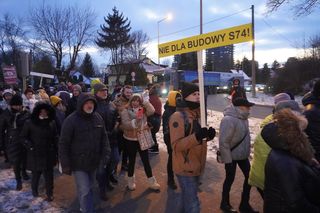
<point x="138" y="47"/>
<point x="300" y="8"/>
<point x="60" y="28"/>
<point x="51" y="25"/>
<point x="81" y="32"/>
<point x="314" y="43"/>
<point x="12" y="37"/>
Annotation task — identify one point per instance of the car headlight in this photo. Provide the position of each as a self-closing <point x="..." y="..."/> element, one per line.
<point x="164" y="91"/>
<point x="225" y="87"/>
<point x="218" y="87"/>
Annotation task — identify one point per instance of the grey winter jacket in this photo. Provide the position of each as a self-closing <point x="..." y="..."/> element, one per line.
<point x="233" y="127"/>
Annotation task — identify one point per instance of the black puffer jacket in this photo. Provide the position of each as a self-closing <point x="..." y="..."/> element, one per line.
<point x="168" y="111"/>
<point x="83" y="141"/>
<point x="109" y="115"/>
<point x="291" y="185"/>
<point x="11" y="125"/>
<point x="40" y="137"/>
<point x="312" y="113"/>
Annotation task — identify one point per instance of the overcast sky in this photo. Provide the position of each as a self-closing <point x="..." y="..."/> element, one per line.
<point x="278" y="35"/>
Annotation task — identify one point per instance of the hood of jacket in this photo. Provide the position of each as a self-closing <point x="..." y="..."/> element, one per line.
<point x="36" y="111"/>
<point x="82" y="99"/>
<point x="287" y="133"/>
<point x="309" y="98"/>
<point x="234" y="111"/>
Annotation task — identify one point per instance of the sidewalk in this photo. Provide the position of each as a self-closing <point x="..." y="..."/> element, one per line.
<point x="167" y="200"/>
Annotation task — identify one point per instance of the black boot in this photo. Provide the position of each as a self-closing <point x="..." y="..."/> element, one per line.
<point x="19" y="185"/>
<point x="25" y="175"/>
<point x="227" y="208"/>
<point x="49" y="198"/>
<point x="246" y="208"/>
<point x="35" y="193"/>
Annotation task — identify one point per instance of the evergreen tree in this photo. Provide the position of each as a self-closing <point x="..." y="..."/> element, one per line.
<point x="265" y="74"/>
<point x="44" y="65"/>
<point x="115" y="36"/>
<point x="87" y="68"/>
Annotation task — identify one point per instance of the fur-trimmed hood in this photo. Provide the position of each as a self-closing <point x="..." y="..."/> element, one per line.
<point x="36" y="111"/>
<point x="289" y="129"/>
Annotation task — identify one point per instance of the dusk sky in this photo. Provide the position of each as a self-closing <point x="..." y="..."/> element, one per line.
<point x="278" y="35"/>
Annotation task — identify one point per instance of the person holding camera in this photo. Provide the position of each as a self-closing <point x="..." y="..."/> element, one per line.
<point x="189" y="144"/>
<point x="133" y="119"/>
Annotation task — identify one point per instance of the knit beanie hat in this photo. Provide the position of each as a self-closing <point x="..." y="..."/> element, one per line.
<point x="76" y="87"/>
<point x="16" y="100"/>
<point x="7" y="91"/>
<point x="316" y="89"/>
<point x="55" y="100"/>
<point x="172" y="95"/>
<point x="99" y="87"/>
<point x="281" y="97"/>
<point x="188" y="88"/>
<point x="291" y="104"/>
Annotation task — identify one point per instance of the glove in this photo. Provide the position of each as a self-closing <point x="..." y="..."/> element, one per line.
<point x="211" y="133"/>
<point x="202" y="133"/>
<point x="145" y="96"/>
<point x="66" y="170"/>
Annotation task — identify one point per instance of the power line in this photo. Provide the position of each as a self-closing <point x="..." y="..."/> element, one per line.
<point x="277" y="32"/>
<point x="196" y="26"/>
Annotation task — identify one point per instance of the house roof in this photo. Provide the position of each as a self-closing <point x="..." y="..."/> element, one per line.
<point x="245" y="76"/>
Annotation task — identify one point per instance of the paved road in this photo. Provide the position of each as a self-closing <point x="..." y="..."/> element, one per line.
<point x="218" y="102"/>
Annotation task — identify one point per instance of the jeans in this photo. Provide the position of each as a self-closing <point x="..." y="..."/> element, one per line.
<point x="122" y="148"/>
<point x="48" y="178"/>
<point x="114" y="158"/>
<point x="189" y="191"/>
<point x="230" y="169"/>
<point x="84" y="182"/>
<point x="132" y="148"/>
<point x="155" y="121"/>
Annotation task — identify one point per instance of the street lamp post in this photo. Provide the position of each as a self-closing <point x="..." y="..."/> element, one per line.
<point x="161" y="20"/>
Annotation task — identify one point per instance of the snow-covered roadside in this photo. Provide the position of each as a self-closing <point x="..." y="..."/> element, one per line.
<point x="266" y="99"/>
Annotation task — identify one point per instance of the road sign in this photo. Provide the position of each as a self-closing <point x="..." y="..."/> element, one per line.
<point x="42" y="75"/>
<point x="10" y="75"/>
<point x="233" y="35"/>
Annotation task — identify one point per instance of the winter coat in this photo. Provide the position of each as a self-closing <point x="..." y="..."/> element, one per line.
<point x="261" y="151"/>
<point x="168" y="111"/>
<point x="237" y="92"/>
<point x="109" y="116"/>
<point x="234" y="127"/>
<point x="292" y="184"/>
<point x="11" y="125"/>
<point x="129" y="124"/>
<point x="72" y="105"/>
<point x="83" y="143"/>
<point x="40" y="137"/>
<point x="120" y="103"/>
<point x="312" y="113"/>
<point x="189" y="155"/>
<point x="60" y="116"/>
<point x="156" y="103"/>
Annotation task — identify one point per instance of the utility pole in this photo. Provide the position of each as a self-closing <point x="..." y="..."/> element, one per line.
<point x="253" y="64"/>
<point x="200" y="77"/>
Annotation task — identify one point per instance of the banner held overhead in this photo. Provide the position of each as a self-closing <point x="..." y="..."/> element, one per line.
<point x="233" y="35"/>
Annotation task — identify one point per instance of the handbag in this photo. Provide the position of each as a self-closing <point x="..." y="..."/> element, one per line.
<point x="219" y="160"/>
<point x="145" y="138"/>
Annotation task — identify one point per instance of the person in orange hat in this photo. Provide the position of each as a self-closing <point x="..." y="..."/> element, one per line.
<point x="60" y="109"/>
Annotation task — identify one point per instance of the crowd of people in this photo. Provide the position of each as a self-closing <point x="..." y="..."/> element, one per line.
<point x="89" y="134"/>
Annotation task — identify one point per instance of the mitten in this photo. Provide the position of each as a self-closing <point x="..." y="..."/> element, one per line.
<point x="211" y="133"/>
<point x="202" y="133"/>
